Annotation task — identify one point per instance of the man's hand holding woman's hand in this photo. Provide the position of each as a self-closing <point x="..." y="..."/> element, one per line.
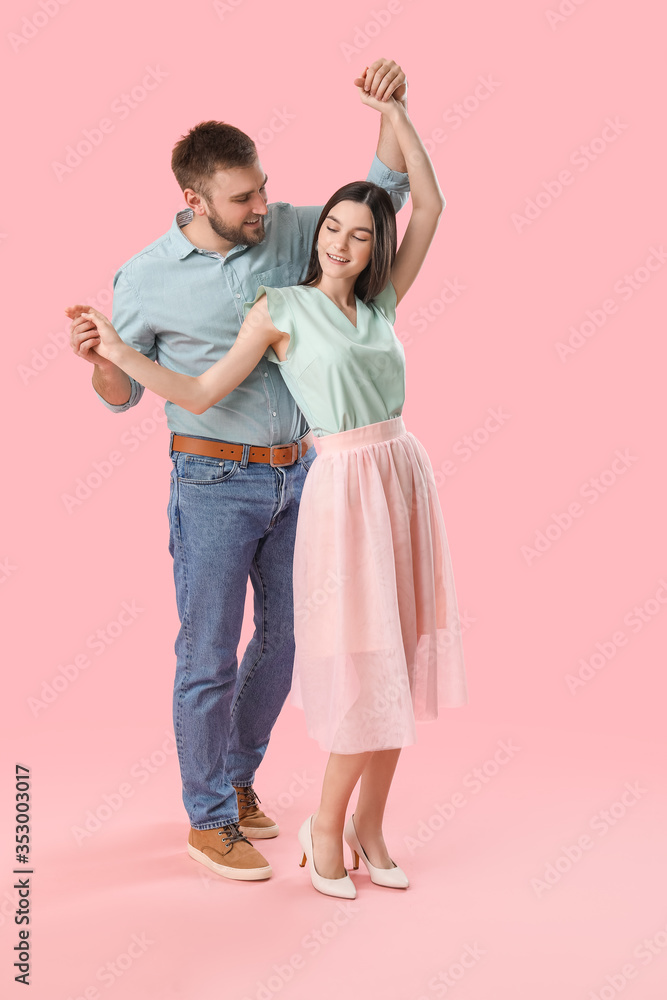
<point x="381" y="81"/>
<point x="92" y="336"/>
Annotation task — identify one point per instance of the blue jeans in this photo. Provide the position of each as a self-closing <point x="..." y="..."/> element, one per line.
<point x="230" y="520"/>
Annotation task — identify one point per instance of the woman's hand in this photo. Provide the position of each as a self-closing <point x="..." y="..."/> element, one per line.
<point x="92" y="332"/>
<point x="389" y="107"/>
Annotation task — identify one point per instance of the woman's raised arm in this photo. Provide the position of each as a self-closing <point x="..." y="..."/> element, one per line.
<point x="427" y="198"/>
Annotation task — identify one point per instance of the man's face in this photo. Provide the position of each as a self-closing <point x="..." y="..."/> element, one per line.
<point x="236" y="204"/>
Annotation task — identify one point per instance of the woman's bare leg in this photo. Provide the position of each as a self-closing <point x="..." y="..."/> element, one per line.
<point x="342" y="773"/>
<point x="369" y="812"/>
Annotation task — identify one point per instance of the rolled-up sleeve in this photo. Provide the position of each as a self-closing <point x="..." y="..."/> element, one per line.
<point x="396" y="184"/>
<point x="133" y="329"/>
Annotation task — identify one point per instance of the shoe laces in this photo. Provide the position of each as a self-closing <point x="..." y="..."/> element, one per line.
<point x="249" y="797"/>
<point x="232" y="835"/>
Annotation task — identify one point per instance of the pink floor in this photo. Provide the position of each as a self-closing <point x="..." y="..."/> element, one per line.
<point x="536" y="859"/>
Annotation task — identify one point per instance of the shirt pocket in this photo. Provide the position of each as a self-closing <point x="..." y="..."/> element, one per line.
<point x="278" y="277"/>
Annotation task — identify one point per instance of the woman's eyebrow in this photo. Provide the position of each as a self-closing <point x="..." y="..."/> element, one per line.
<point x="365" y="230"/>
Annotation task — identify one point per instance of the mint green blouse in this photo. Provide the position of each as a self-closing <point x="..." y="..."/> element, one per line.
<point x="340" y="375"/>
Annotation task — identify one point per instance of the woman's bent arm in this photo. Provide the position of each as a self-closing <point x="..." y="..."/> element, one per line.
<point x="193" y="393"/>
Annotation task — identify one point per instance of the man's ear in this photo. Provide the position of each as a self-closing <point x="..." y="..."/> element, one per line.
<point x="194" y="201"/>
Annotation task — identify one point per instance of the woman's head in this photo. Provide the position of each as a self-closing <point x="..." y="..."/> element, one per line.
<point x="356" y="234"/>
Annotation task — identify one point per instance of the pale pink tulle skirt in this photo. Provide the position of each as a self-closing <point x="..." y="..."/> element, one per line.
<point x="378" y="643"/>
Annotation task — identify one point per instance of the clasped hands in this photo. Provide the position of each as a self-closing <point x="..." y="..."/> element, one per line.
<point x="380" y="82"/>
<point x="92" y="335"/>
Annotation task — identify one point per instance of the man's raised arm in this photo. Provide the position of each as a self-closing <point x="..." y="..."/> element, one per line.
<point x="384" y="79"/>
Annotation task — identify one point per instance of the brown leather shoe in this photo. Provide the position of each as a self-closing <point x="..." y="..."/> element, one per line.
<point x="227" y="852"/>
<point x="253" y="822"/>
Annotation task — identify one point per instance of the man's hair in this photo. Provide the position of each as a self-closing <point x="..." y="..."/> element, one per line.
<point x="208" y="147"/>
<point x="377" y="272"/>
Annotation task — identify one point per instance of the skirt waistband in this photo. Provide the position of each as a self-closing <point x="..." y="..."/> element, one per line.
<point x="358" y="437"/>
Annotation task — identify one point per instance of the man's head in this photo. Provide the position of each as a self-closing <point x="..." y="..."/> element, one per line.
<point x="222" y="179"/>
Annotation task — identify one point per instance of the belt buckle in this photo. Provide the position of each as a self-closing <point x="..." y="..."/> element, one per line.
<point x="295" y="454"/>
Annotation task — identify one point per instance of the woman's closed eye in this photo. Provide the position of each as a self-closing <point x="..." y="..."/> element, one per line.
<point x="359" y="238"/>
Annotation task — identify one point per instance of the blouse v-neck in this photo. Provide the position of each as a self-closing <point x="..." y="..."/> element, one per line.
<point x="355" y="326"/>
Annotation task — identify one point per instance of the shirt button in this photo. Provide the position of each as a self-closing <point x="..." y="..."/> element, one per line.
<point x="266" y="374"/>
<point x="238" y="296"/>
<point x="275" y="414"/>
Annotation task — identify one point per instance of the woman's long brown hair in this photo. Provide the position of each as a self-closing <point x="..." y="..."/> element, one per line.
<point x="377" y="272"/>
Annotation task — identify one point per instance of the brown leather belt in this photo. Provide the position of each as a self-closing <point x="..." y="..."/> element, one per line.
<point x="277" y="454"/>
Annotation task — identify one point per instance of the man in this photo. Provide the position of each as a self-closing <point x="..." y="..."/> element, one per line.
<point x="238" y="469"/>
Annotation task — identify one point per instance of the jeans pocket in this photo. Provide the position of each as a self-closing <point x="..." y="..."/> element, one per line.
<point x="198" y="470"/>
<point x="307" y="460"/>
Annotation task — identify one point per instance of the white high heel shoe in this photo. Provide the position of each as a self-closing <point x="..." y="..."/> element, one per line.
<point x="343" y="887"/>
<point x="394" y="877"/>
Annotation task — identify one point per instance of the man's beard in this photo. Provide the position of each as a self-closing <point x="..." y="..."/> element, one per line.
<point x="234" y="235"/>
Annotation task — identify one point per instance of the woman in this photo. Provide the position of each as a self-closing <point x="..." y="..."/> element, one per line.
<point x="376" y="623"/>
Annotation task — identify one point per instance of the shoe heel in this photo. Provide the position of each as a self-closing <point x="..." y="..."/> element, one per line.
<point x="302" y="862"/>
<point x="394" y="877"/>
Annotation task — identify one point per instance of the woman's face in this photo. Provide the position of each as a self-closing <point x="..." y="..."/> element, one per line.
<point x="345" y="240"/>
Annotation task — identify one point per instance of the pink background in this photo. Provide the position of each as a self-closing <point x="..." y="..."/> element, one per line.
<point x="479" y="851"/>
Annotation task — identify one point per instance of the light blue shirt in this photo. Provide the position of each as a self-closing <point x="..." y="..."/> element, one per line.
<point x="183" y="307"/>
